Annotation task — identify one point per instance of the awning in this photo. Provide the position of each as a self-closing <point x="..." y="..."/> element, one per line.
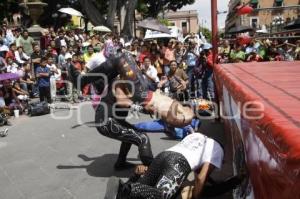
<point x="278" y="1"/>
<point x="239" y="29"/>
<point x="254" y="1"/>
<point x="293" y="25"/>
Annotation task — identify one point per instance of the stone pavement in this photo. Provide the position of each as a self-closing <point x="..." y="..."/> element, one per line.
<point x="47" y="158"/>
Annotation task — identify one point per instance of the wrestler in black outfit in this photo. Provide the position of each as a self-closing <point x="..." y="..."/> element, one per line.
<point x="110" y="119"/>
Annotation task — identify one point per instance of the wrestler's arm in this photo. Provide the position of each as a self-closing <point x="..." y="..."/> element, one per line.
<point x="200" y="178"/>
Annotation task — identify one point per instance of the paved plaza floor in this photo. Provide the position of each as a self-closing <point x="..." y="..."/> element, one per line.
<point x="52" y="157"/>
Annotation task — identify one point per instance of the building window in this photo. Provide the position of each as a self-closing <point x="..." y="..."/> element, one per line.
<point x="254" y="4"/>
<point x="184" y="27"/>
<point x="254" y="22"/>
<point x="278" y="3"/>
<point x="172" y="23"/>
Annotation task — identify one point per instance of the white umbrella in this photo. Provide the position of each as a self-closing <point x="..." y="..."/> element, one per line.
<point x="101" y="29"/>
<point x="71" y="11"/>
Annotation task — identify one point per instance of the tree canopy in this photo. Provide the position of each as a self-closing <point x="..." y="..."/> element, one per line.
<point x="101" y="12"/>
<point x="152" y="8"/>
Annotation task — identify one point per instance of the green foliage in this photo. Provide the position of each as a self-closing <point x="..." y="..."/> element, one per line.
<point x="206" y="32"/>
<point x="142" y="7"/>
<point x="156" y="7"/>
<point x="164" y="21"/>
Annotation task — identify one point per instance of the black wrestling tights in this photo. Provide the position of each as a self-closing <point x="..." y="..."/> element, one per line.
<point x="120" y="130"/>
<point x="163" y="179"/>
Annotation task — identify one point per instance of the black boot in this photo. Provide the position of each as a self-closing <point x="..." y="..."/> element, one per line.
<point x="121" y="163"/>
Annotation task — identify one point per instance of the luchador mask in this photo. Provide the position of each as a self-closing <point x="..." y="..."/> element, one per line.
<point x="131" y="72"/>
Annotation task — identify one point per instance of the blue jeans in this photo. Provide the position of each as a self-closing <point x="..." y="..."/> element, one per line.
<point x="195" y="83"/>
<point x="208" y="91"/>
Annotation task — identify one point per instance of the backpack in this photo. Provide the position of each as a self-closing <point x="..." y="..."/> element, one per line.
<point x="38" y="108"/>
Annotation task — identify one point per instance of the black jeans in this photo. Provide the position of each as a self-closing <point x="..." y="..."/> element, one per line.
<point x="45" y="94"/>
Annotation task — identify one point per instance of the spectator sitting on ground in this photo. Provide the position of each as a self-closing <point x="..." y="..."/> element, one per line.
<point x="3" y="48"/>
<point x="12" y="67"/>
<point x="3" y="64"/>
<point x="26" y="82"/>
<point x="11" y="100"/>
<point x="20" y="56"/>
<point x="21" y="94"/>
<point x="11" y="52"/>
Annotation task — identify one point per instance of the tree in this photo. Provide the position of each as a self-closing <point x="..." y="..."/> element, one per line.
<point x="206" y="32"/>
<point x="129" y="18"/>
<point x="111" y="13"/>
<point x="156" y="7"/>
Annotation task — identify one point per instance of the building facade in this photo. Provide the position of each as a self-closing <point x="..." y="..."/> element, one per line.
<point x="269" y="14"/>
<point x="187" y="21"/>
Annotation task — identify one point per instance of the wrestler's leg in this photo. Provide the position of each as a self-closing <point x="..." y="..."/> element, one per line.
<point x="123" y="152"/>
<point x="115" y="129"/>
<point x="163" y="179"/>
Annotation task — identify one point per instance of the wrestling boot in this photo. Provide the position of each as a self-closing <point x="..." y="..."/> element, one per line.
<point x="121" y="163"/>
<point x="145" y="151"/>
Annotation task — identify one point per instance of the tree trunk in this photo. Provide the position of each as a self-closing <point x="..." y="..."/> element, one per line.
<point x="129" y="19"/>
<point x="92" y="12"/>
<point x="111" y="14"/>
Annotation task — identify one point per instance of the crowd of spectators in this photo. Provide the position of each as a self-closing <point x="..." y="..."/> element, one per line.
<point x="182" y="70"/>
<point x="259" y="50"/>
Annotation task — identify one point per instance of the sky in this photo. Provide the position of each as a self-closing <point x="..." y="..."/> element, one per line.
<point x="203" y="8"/>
